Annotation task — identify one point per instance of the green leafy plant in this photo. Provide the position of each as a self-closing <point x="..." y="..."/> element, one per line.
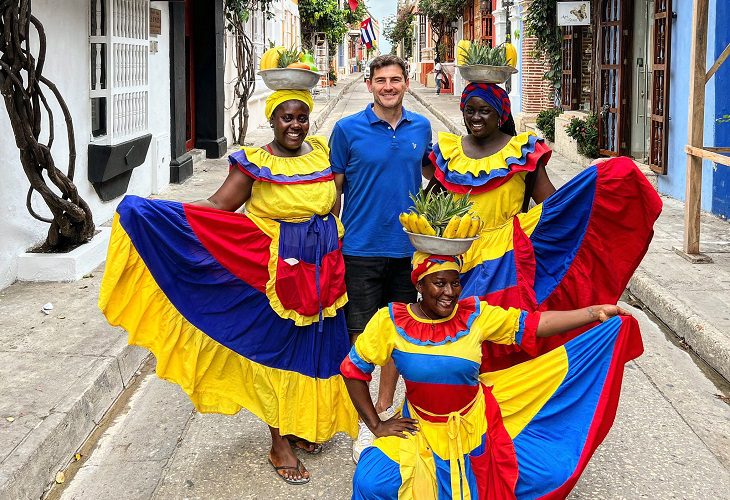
<point x="539" y="22"/>
<point x="585" y="132"/>
<point x="443" y="15"/>
<point x="546" y="122"/>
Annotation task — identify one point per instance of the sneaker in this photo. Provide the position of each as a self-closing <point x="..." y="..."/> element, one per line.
<point x="365" y="436"/>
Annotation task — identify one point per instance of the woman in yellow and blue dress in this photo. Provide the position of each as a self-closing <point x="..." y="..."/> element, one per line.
<point x="524" y="432"/>
<point x="579" y="246"/>
<point x="244" y="310"/>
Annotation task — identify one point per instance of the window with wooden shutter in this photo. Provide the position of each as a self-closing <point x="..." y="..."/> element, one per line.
<point x="468" y="24"/>
<point x="570" y="81"/>
<point x="660" y="86"/>
<point x="487" y="35"/>
<point x="614" y="93"/>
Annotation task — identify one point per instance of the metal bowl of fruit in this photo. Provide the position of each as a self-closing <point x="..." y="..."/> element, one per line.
<point x="440" y="246"/>
<point x="486" y="73"/>
<point x="289" y="78"/>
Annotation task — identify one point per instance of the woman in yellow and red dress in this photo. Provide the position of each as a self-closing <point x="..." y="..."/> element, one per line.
<point x="245" y="310"/>
<point x="578" y="246"/>
<point x="524" y="432"/>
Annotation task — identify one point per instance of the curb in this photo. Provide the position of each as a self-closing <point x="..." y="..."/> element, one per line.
<point x="29" y="470"/>
<point x="710" y="344"/>
<point x="327" y="109"/>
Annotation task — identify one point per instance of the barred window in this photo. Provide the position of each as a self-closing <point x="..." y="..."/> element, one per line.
<point x="119" y="80"/>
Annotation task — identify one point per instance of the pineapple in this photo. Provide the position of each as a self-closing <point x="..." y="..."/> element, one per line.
<point x="287" y="57"/>
<point x="479" y="53"/>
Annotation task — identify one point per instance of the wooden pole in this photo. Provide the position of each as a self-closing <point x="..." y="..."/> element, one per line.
<point x="695" y="135"/>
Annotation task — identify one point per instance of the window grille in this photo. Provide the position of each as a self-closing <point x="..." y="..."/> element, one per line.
<point x="119" y="80"/>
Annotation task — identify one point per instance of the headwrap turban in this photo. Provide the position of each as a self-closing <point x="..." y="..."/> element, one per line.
<point x="426" y="263"/>
<point x="280" y="96"/>
<point x="493" y="94"/>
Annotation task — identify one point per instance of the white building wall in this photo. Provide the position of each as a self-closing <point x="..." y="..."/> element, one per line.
<point x="68" y="66"/>
<point x="283" y="29"/>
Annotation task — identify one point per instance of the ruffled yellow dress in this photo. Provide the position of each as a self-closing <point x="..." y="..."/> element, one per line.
<point x="242" y="310"/>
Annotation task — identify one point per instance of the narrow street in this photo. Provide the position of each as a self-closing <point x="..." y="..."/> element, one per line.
<point x="671" y="438"/>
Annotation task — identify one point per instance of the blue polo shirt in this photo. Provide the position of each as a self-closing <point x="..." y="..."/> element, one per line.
<point x="382" y="167"/>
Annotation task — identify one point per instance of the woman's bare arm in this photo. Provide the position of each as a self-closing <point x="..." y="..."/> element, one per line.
<point x="235" y="191"/>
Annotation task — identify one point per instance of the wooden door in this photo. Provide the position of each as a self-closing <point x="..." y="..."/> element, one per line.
<point x="662" y="40"/>
<point x="189" y="77"/>
<point x="614" y="76"/>
<point x="571" y="60"/>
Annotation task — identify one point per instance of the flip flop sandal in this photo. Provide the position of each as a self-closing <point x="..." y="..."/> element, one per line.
<point x="316" y="450"/>
<point x="298" y="467"/>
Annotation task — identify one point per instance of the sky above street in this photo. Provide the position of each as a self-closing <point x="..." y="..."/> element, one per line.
<point x="380" y="9"/>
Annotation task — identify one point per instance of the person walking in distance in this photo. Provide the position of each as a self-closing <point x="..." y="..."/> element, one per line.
<point x="378" y="156"/>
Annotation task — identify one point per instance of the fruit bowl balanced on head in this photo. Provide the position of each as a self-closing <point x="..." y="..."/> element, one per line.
<point x="282" y="68"/>
<point x="479" y="62"/>
<point x="441" y="223"/>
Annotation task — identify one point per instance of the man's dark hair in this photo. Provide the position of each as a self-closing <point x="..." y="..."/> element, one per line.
<point x="388" y="60"/>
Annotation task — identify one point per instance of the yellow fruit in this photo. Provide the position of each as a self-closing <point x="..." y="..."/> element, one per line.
<point x="510" y="53"/>
<point x="463" y="228"/>
<point x="474" y="227"/>
<point x="424" y="227"/>
<point x="461" y="50"/>
<point x="412" y="222"/>
<point x="270" y="58"/>
<point x="451" y="227"/>
<point x="403" y="218"/>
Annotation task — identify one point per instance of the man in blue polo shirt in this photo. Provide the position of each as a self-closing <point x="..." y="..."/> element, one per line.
<point x="378" y="156"/>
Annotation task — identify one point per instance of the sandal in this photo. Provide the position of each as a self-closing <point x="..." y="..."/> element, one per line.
<point x="303" y="444"/>
<point x="298" y="467"/>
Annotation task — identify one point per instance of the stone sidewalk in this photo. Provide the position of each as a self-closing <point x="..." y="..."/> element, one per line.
<point x="692" y="299"/>
<point x="61" y="372"/>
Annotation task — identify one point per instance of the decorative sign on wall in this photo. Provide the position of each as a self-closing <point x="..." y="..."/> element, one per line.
<point x="574" y="13"/>
<point x="156" y="21"/>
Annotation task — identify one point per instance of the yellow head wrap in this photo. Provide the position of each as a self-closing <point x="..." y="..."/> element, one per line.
<point x="426" y="263"/>
<point x="280" y="96"/>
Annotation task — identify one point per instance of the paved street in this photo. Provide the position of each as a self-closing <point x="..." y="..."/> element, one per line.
<point x="671" y="438"/>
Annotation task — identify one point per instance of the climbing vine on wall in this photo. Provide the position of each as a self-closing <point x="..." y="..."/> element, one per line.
<point x="540" y="23"/>
<point x="29" y="97"/>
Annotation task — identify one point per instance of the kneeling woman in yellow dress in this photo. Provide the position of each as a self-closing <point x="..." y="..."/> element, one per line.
<point x="245" y="310"/>
<point x="524" y="432"/>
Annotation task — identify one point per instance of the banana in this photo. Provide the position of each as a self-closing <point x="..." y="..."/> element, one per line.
<point x="461" y="50"/>
<point x="412" y="222"/>
<point x="450" y="230"/>
<point x="270" y="58"/>
<point x="463" y="228"/>
<point x="474" y="227"/>
<point x="510" y="53"/>
<point x="403" y="218"/>
<point x="424" y="227"/>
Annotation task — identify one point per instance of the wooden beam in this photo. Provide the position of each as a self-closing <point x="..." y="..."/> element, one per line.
<point x="695" y="132"/>
<point x="718" y="150"/>
<point x="718" y="63"/>
<point x="704" y="154"/>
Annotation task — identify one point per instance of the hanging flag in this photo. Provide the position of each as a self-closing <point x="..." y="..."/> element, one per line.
<point x="352" y="4"/>
<point x="367" y="33"/>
